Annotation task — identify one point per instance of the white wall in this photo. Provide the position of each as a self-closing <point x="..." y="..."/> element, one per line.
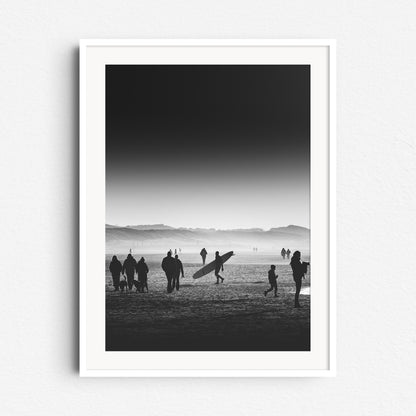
<point x="376" y="206"/>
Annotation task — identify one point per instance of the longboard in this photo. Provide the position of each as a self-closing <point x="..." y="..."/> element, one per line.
<point x="211" y="266"/>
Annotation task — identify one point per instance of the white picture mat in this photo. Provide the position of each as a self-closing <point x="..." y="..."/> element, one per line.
<point x="94" y="360"/>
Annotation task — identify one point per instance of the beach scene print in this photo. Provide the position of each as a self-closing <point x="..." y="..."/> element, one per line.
<point x="207" y="208"/>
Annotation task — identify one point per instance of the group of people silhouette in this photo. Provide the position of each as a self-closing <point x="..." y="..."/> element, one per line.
<point x="285" y="253"/>
<point x="299" y="269"/>
<point x="128" y="269"/>
<point x="173" y="268"/>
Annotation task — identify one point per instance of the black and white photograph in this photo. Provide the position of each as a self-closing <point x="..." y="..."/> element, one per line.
<point x="207" y="208"/>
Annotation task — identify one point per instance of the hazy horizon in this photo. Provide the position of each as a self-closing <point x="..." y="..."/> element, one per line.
<point x="204" y="228"/>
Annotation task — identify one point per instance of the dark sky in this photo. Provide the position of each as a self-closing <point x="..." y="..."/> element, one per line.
<point x="205" y="137"/>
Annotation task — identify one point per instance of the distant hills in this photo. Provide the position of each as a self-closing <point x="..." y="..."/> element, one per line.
<point x="147" y="227"/>
<point x="161" y="236"/>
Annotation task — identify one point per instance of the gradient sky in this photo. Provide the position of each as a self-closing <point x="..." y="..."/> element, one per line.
<point x="208" y="145"/>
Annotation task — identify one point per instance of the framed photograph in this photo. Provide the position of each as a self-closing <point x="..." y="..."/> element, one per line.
<point x="207" y="208"/>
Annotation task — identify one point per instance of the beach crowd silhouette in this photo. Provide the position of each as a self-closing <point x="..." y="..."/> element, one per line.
<point x="174" y="270"/>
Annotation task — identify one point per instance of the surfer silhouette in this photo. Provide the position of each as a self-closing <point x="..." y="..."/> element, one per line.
<point x="142" y="270"/>
<point x="115" y="269"/>
<point x="272" y="280"/>
<point x="283" y="253"/>
<point x="169" y="267"/>
<point x="203" y="254"/>
<point x="218" y="266"/>
<point x="178" y="271"/>
<point x="129" y="267"/>
<point x="288" y="254"/>
<point x="299" y="269"/>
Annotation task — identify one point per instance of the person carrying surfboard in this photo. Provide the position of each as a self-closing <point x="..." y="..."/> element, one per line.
<point x="203" y="254"/>
<point x="219" y="265"/>
<point x="210" y="267"/>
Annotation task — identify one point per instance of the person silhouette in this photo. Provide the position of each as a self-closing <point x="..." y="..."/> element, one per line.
<point x="115" y="270"/>
<point x="283" y="253"/>
<point x="129" y="267"/>
<point x="288" y="254"/>
<point x="299" y="269"/>
<point x="272" y="280"/>
<point x="169" y="267"/>
<point x="142" y="270"/>
<point x="203" y="254"/>
<point x="218" y="266"/>
<point x="178" y="271"/>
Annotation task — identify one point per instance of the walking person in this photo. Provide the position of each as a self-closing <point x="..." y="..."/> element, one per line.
<point x="115" y="270"/>
<point x="299" y="269"/>
<point x="129" y="267"/>
<point x="283" y="253"/>
<point x="169" y="267"/>
<point x="203" y="254"/>
<point x="142" y="270"/>
<point x="178" y="271"/>
<point x="218" y="266"/>
<point x="272" y="280"/>
<point x="288" y="254"/>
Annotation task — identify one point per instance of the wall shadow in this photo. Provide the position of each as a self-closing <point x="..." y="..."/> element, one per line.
<point x="74" y="294"/>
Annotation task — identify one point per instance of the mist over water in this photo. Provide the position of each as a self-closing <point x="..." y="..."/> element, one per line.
<point x="122" y="239"/>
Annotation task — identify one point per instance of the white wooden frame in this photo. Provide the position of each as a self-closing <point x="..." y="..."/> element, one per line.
<point x="91" y="310"/>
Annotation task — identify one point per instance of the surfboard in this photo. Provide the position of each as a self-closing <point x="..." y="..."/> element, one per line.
<point x="211" y="266"/>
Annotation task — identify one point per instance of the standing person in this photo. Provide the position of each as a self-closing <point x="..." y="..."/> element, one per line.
<point x="169" y="267"/>
<point x="178" y="271"/>
<point x="129" y="267"/>
<point x="142" y="270"/>
<point x="299" y="269"/>
<point x="288" y="254"/>
<point x="272" y="280"/>
<point x="283" y="253"/>
<point x="115" y="269"/>
<point x="218" y="266"/>
<point x="203" y="254"/>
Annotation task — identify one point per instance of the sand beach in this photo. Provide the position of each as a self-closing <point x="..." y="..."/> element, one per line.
<point x="202" y="315"/>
